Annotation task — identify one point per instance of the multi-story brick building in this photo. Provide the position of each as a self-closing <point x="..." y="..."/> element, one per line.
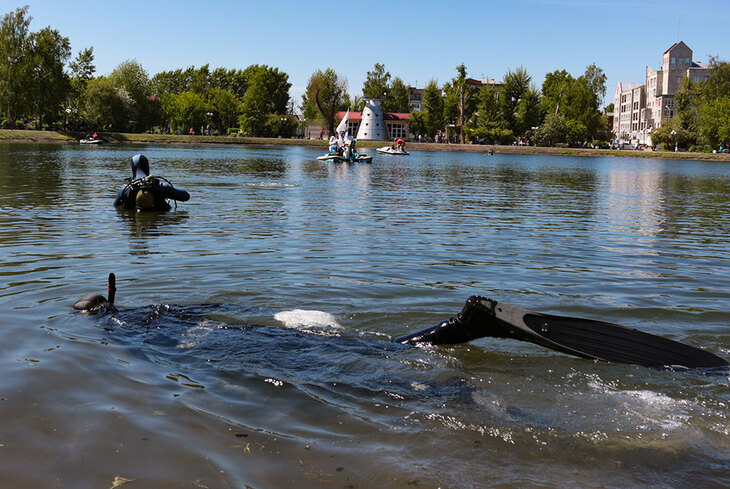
<point x="639" y="108"/>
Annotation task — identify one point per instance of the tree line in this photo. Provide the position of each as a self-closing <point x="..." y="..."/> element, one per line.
<point x="39" y="82"/>
<point x="565" y="110"/>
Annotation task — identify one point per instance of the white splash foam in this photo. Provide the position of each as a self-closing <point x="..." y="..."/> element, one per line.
<point x="305" y="319"/>
<point x="647" y="408"/>
<point x="271" y="185"/>
<point x="194" y="333"/>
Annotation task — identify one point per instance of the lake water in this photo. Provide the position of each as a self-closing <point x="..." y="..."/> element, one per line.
<point x="251" y="347"/>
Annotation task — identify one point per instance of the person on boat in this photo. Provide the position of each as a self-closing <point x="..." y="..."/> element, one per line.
<point x="95" y="137"/>
<point x="333" y="144"/>
<point x="349" y="147"/>
<point x="400" y="144"/>
<point x="145" y="192"/>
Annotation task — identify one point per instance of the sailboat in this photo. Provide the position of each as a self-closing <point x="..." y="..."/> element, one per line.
<point x="346" y="146"/>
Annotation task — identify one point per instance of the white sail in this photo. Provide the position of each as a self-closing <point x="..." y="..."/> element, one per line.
<point x="343" y="128"/>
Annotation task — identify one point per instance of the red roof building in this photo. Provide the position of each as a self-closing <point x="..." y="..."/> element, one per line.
<point x="397" y="123"/>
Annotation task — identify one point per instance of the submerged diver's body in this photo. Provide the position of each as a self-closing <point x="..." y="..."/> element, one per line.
<point x="482" y="317"/>
<point x="145" y="192"/>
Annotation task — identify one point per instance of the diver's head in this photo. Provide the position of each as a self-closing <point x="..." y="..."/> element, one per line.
<point x="140" y="166"/>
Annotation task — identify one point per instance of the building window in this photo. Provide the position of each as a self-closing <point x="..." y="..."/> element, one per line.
<point x="352" y="127"/>
<point x="397" y="131"/>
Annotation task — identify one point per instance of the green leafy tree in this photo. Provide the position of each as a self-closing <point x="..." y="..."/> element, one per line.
<point x="686" y="109"/>
<point x="591" y="89"/>
<point x="198" y="80"/>
<point x="278" y="125"/>
<point x="272" y="85"/>
<point x="235" y="81"/>
<point x="450" y="95"/>
<point x="595" y="80"/>
<point x="254" y="109"/>
<point x="577" y="132"/>
<point x="106" y="106"/>
<point x="168" y="82"/>
<point x="50" y="84"/>
<point x="672" y="134"/>
<point x="15" y="62"/>
<point x="430" y="119"/>
<point x="576" y="99"/>
<point x="488" y="113"/>
<point x="189" y="109"/>
<point x="225" y="107"/>
<point x="399" y="97"/>
<point x="309" y="108"/>
<point x="326" y="93"/>
<point x="268" y="93"/>
<point x="82" y="70"/>
<point x="553" y="130"/>
<point x="514" y="86"/>
<point x="711" y="100"/>
<point x="718" y="84"/>
<point x="377" y="83"/>
<point x="82" y="67"/>
<point x="529" y="110"/>
<point x="554" y="89"/>
<point x="466" y="98"/>
<point x="488" y="125"/>
<point x="132" y="77"/>
<point x="714" y="122"/>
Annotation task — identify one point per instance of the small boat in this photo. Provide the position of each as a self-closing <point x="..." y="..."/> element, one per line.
<point x="90" y="141"/>
<point x="356" y="158"/>
<point x="390" y="151"/>
<point x="343" y="147"/>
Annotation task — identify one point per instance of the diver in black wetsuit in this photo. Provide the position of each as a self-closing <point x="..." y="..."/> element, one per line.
<point x="145" y="192"/>
<point x="482" y="317"/>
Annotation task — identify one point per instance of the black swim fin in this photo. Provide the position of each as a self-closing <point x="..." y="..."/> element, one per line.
<point x="586" y="338"/>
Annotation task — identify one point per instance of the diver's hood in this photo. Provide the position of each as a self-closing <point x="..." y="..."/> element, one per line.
<point x="140" y="167"/>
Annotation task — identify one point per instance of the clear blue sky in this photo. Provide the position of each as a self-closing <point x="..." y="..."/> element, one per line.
<point x="415" y="40"/>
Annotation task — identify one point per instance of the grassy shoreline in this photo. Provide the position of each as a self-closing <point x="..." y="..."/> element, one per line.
<point x="7" y="135"/>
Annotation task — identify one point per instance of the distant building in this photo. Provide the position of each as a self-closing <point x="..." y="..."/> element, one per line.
<point x="389" y="126"/>
<point x="627" y="108"/>
<point x="415" y="102"/>
<point x="397" y="125"/>
<point x="485" y="82"/>
<point x="639" y="108"/>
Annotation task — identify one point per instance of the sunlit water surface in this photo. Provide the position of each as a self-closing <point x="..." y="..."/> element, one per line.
<point x="251" y="347"/>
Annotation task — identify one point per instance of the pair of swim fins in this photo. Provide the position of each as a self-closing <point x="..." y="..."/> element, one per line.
<point x="586" y="338"/>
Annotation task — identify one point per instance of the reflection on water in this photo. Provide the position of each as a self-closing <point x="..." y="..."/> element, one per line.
<point x="290" y="276"/>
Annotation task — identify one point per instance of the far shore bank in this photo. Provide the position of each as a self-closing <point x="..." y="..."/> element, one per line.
<point x="29" y="136"/>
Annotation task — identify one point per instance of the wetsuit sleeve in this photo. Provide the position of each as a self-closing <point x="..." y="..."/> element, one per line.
<point x="170" y="192"/>
<point x="118" y="199"/>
